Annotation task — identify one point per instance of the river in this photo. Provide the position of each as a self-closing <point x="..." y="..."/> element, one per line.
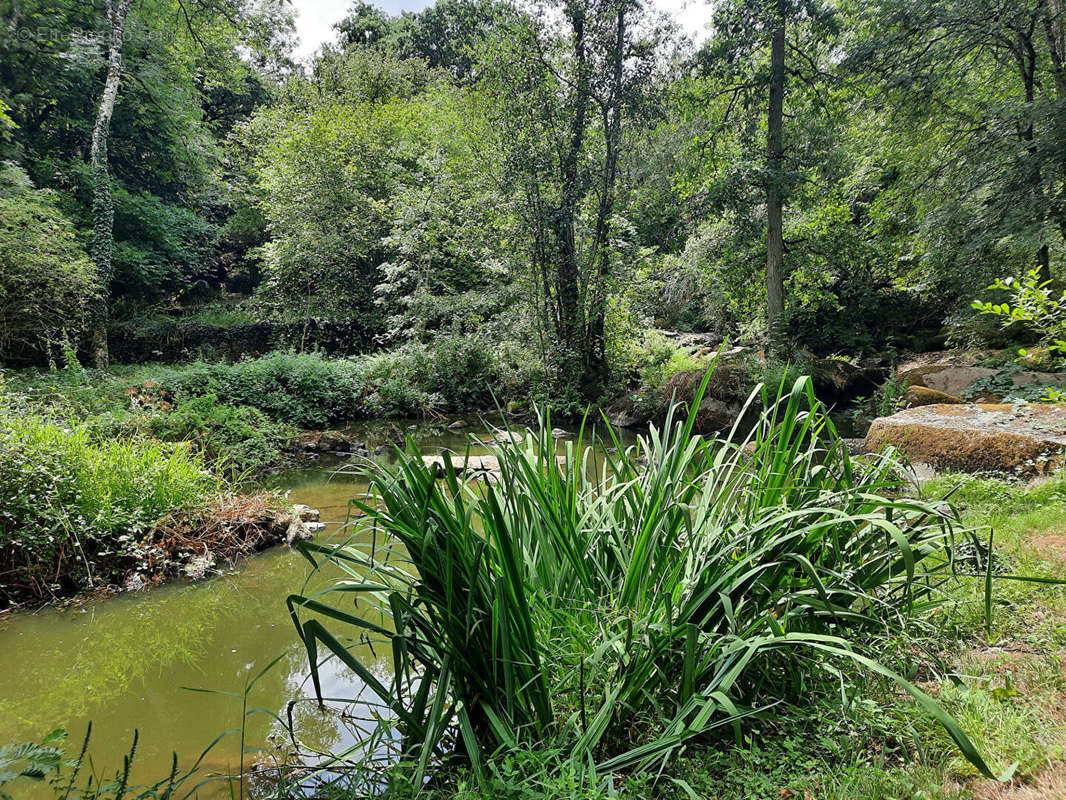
<point x="133" y="661"/>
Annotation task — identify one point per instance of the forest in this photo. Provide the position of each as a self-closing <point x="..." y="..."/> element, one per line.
<point x="602" y="409"/>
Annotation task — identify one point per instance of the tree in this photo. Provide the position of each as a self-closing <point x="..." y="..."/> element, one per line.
<point x="745" y="30"/>
<point x="446" y="35"/>
<point x="560" y="97"/>
<point x="775" y="155"/>
<point x="381" y="209"/>
<point x="103" y="209"/>
<point x="994" y="73"/>
<point x="46" y="279"/>
<point x="139" y="127"/>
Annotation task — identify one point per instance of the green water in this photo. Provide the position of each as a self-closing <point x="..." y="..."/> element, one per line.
<point x="125" y="663"/>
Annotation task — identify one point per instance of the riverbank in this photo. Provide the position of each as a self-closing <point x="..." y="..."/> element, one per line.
<point x="995" y="665"/>
<point x="878" y="745"/>
<point x="85" y="513"/>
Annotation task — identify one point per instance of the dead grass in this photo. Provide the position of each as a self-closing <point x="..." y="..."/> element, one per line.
<point x="229" y="527"/>
<point x="1047" y="785"/>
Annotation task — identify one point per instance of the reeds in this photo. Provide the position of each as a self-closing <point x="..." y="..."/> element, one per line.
<point x="616" y="604"/>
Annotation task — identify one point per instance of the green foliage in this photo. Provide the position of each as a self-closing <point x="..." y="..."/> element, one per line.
<point x="161" y="246"/>
<point x="189" y="72"/>
<point x="661" y="359"/>
<point x="78" y="779"/>
<point x="886" y="400"/>
<point x="618" y="612"/>
<point x="238" y="437"/>
<point x="1033" y="303"/>
<point x="448" y="34"/>
<point x="30" y="761"/>
<point x="76" y="508"/>
<point x="310" y="391"/>
<point x="46" y="278"/>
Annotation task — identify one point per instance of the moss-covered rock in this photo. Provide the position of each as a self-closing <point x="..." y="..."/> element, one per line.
<point x="917" y="396"/>
<point x="723" y="400"/>
<point x="1026" y="439"/>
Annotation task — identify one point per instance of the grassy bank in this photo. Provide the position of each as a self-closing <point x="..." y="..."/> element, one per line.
<point x="245" y="415"/>
<point x="76" y="508"/>
<point x="91" y="460"/>
<point x="83" y="512"/>
<point x="765" y="618"/>
<point x="576" y="633"/>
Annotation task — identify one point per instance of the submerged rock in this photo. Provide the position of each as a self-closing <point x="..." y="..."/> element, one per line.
<point x="485" y="467"/>
<point x="469" y="466"/>
<point x="1026" y="438"/>
<point x="504" y="437"/>
<point x="328" y="442"/>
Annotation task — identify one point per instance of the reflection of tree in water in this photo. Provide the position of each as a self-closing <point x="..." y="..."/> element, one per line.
<point x="351" y="712"/>
<point x="122" y="664"/>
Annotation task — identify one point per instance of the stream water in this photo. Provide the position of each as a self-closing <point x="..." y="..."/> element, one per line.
<point x="132" y="661"/>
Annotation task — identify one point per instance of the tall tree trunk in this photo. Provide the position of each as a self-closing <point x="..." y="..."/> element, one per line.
<point x="775" y="247"/>
<point x="1043" y="263"/>
<point x="596" y="367"/>
<point x="1055" y="35"/>
<point x="1027" y="58"/>
<point x="103" y="210"/>
<point x="570" y="322"/>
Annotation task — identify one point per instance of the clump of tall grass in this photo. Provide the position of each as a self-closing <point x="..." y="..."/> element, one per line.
<point x="73" y="506"/>
<point x="615" y="604"/>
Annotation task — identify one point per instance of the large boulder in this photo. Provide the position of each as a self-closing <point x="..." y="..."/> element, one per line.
<point x="917" y="396"/>
<point x="723" y="400"/>
<point x="995" y="384"/>
<point x="945" y="377"/>
<point x="1026" y="439"/>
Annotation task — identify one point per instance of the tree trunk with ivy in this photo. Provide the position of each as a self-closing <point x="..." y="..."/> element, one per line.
<point x="775" y="247"/>
<point x="101" y="244"/>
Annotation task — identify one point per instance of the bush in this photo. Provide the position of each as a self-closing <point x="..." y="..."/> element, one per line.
<point x="305" y="390"/>
<point x="46" y="279"/>
<point x="75" y="508"/>
<point x="310" y="391"/>
<point x="1031" y="302"/>
<point x="240" y="437"/>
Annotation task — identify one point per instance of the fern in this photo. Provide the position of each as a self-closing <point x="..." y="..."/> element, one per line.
<point x="30" y="760"/>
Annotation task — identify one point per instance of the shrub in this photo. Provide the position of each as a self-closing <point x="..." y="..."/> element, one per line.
<point x="660" y="359"/>
<point x="615" y="607"/>
<point x="235" y="436"/>
<point x="75" y="508"/>
<point x="1032" y="302"/>
<point x="46" y="279"/>
<point x="310" y="391"/>
<point x="304" y="390"/>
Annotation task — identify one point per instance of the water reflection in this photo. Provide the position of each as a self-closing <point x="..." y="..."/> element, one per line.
<point x="124" y="663"/>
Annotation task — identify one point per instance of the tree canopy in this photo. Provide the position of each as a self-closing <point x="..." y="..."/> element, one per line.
<point x="564" y="175"/>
